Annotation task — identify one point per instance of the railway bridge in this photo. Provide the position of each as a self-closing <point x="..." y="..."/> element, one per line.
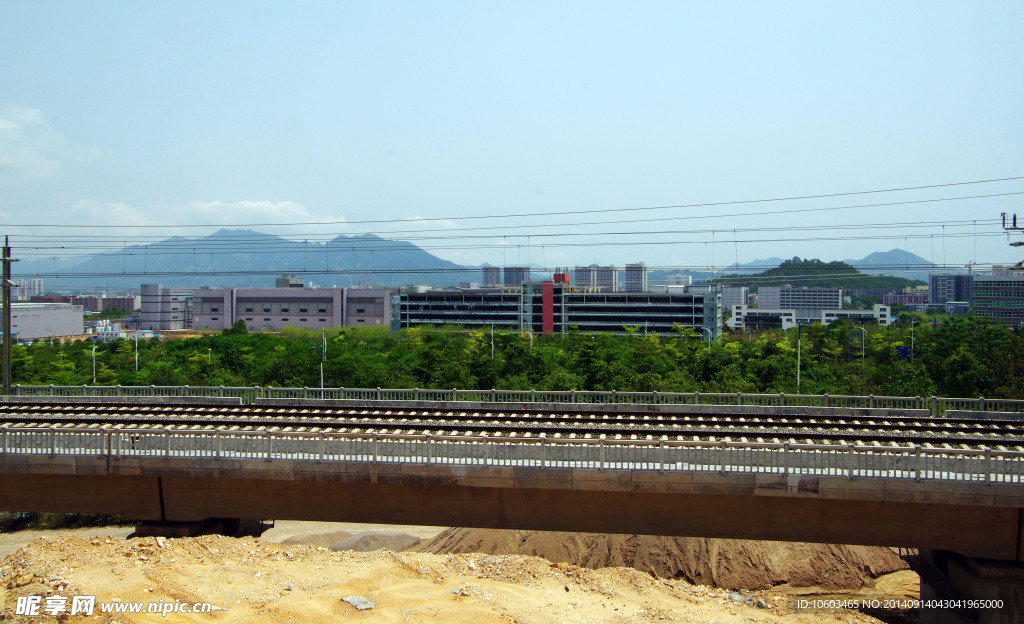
<point x="950" y="483"/>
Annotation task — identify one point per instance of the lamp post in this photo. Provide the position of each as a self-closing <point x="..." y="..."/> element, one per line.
<point x="136" y="349"/>
<point x="94" y="365"/>
<point x="799" y="326"/>
<point x="711" y="334"/>
<point x="320" y="353"/>
<point x="209" y="355"/>
<point x="863" y="341"/>
<point x="912" y="343"/>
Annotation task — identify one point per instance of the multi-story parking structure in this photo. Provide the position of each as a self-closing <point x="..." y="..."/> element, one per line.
<point x="548" y="307"/>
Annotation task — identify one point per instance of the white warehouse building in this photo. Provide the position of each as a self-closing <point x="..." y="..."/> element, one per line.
<point x="32" y="321"/>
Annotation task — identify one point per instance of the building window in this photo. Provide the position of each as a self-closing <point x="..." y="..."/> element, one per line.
<point x="303" y="320"/>
<point x="322" y="320"/>
<point x="302" y="310"/>
<point x="248" y="318"/>
<point x="214" y="309"/>
<point x="322" y="310"/>
<point x="284" y="309"/>
<point x="360" y="310"/>
<point x="266" y="319"/>
<point x="248" y="309"/>
<point x="360" y="321"/>
<point x="266" y="310"/>
<point x="284" y="319"/>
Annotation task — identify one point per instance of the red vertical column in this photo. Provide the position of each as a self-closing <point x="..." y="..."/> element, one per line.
<point x="548" y="307"/>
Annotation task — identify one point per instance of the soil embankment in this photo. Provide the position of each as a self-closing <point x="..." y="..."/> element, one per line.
<point x="746" y="564"/>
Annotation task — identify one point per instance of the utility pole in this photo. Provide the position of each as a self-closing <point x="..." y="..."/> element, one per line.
<point x="7" y="260"/>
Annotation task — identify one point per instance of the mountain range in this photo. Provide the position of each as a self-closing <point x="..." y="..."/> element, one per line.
<point x="238" y="257"/>
<point x="233" y="258"/>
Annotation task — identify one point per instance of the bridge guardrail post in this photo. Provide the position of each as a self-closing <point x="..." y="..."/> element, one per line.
<point x="785" y="459"/>
<point x="219" y="444"/>
<point x="268" y="437"/>
<point x="53" y="441"/>
<point x="374" y="444"/>
<point x="849" y="462"/>
<point x="320" y="447"/>
<point x="721" y="457"/>
<point x="871" y="400"/>
<point x="543" y="453"/>
<point x="3" y="440"/>
<point x="430" y="450"/>
<point x="988" y="466"/>
<point x="600" y="445"/>
<point x="167" y="444"/>
<point x="487" y="450"/>
<point x="917" y="462"/>
<point x="661" y="456"/>
<point x="981" y="404"/>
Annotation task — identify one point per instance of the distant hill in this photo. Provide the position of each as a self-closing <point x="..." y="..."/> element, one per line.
<point x="754" y="266"/>
<point x="813" y="273"/>
<point x="898" y="262"/>
<point x="235" y="258"/>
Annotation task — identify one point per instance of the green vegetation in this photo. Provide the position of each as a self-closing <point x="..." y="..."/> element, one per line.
<point x="17" y="521"/>
<point x="964" y="357"/>
<point x="813" y="273"/>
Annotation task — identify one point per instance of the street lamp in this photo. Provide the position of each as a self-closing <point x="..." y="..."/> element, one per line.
<point x="711" y="334"/>
<point x="321" y="354"/>
<point x="209" y="355"/>
<point x="863" y="341"/>
<point x="799" y="326"/>
<point x="94" y="365"/>
<point x="912" y="323"/>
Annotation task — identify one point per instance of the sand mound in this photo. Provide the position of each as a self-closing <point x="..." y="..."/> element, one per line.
<point x="728" y="563"/>
<point x="323" y="540"/>
<point x="369" y="541"/>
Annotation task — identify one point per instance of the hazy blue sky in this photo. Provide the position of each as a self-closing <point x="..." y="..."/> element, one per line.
<point x="237" y="113"/>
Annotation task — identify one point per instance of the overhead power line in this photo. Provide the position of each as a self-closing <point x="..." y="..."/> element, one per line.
<point x="530" y="214"/>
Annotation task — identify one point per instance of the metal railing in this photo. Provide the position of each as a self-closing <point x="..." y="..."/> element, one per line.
<point x="784" y="459"/>
<point x="248" y="394"/>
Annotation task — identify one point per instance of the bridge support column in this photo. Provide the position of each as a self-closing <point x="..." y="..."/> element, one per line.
<point x="960" y="580"/>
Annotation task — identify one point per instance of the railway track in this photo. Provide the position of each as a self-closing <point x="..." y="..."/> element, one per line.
<point x="523" y="421"/>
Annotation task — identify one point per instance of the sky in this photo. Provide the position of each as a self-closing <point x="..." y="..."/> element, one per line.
<point x="553" y="134"/>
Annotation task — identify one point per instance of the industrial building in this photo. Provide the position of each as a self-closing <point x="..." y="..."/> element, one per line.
<point x="26" y="288"/>
<point x="32" y="321"/>
<point x="999" y="295"/>
<point x="636" y="277"/>
<point x="165" y="309"/>
<point x="734" y="296"/>
<point x="605" y="278"/>
<point x="515" y="275"/>
<point x="492" y="276"/>
<point x="745" y="317"/>
<point x="943" y="287"/>
<point x="804" y="298"/>
<point x="289" y="305"/>
<point x="550" y="307"/>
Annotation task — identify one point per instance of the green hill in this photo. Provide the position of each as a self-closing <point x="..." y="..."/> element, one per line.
<point x="813" y="272"/>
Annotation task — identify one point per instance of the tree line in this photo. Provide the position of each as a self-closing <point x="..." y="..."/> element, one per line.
<point x="962" y="357"/>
